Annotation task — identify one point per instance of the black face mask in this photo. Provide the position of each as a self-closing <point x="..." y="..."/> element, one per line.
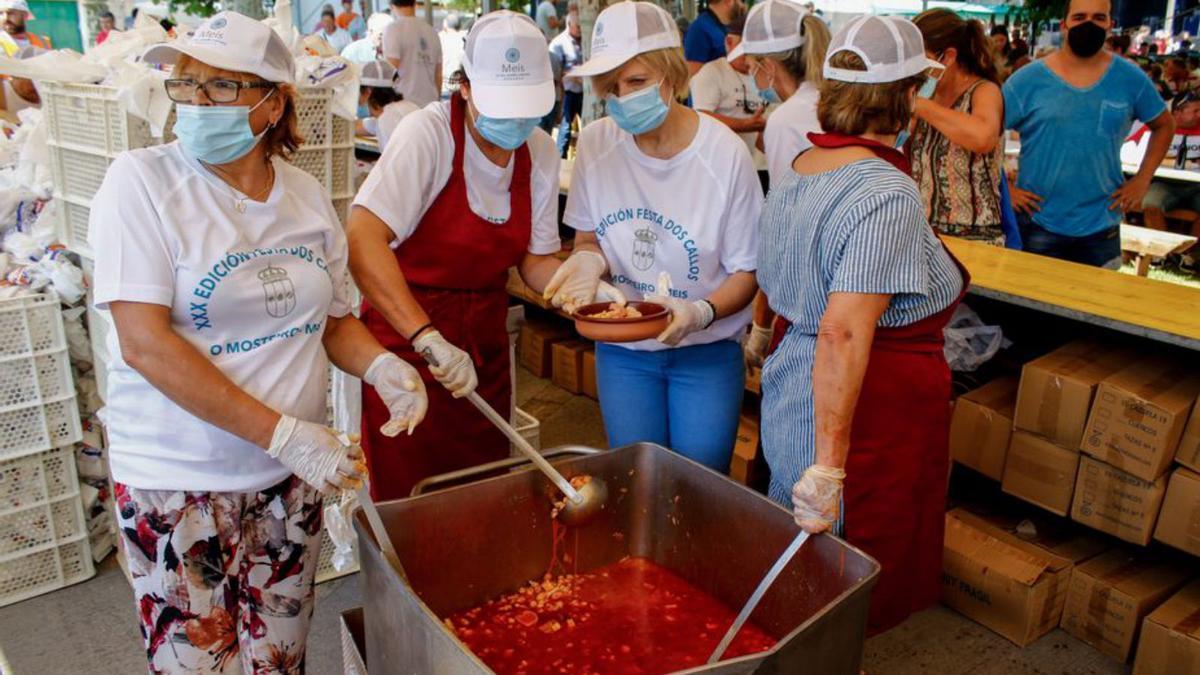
<point x="1086" y="39"/>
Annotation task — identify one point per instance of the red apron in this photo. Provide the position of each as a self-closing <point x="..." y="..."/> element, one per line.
<point x="895" y="491"/>
<point x="456" y="265"/>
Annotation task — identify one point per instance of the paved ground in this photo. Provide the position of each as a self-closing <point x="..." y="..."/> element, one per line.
<point x="89" y="628"/>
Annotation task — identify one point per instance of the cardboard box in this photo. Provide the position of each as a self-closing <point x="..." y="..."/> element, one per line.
<point x="1116" y="502"/>
<point x="1111" y="594"/>
<point x="1040" y="472"/>
<point x="743" y="464"/>
<point x="981" y="427"/>
<point x="1056" y="390"/>
<point x="1139" y="414"/>
<point x="1188" y="453"/>
<point x="1014" y="586"/>
<point x="587" y="385"/>
<point x="537" y="341"/>
<point x="568" y="364"/>
<point x="1170" y="641"/>
<point x="1179" y="519"/>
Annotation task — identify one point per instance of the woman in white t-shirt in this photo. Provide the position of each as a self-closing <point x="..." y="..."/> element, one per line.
<point x="223" y="271"/>
<point x="380" y="106"/>
<point x="786" y="49"/>
<point x="666" y="201"/>
<point x="466" y="189"/>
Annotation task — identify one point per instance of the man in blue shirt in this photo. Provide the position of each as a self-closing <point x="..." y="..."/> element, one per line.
<point x="566" y="52"/>
<point x="705" y="39"/>
<point x="1073" y="110"/>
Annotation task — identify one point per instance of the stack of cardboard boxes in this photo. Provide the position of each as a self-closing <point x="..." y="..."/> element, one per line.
<point x="550" y="349"/>
<point x="1091" y="431"/>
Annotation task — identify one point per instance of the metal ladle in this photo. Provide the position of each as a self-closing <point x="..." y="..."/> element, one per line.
<point x="582" y="504"/>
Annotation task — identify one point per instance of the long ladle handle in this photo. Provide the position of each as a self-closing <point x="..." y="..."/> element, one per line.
<point x="524" y="446"/>
<point x="772" y="574"/>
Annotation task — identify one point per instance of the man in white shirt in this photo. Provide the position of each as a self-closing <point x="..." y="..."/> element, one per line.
<point x="566" y="52"/>
<point x="453" y="39"/>
<point x="413" y="49"/>
<point x="725" y="90"/>
<point x="337" y="38"/>
<point x="547" y="19"/>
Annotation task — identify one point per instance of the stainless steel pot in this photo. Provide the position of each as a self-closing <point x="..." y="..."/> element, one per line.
<point x="467" y="544"/>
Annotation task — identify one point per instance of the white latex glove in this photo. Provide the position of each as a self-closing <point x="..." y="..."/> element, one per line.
<point x="402" y="391"/>
<point x="315" y="454"/>
<point x="449" y="364"/>
<point x="755" y="348"/>
<point x="686" y="317"/>
<point x="817" y="498"/>
<point x="577" y="282"/>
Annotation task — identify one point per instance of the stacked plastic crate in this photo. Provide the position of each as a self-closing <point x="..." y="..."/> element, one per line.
<point x="43" y="533"/>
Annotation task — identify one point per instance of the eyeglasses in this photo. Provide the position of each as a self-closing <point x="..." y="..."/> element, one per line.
<point x="217" y="91"/>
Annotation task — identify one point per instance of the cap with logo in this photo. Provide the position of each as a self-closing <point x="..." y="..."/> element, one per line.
<point x="21" y="5"/>
<point x="625" y="30"/>
<point x="378" y="74"/>
<point x="234" y="42"/>
<point x="891" y="48"/>
<point x="771" y="27"/>
<point x="508" y="63"/>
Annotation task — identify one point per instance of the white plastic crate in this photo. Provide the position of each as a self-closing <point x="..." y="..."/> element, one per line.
<point x="97" y="328"/>
<point x="37" y="393"/>
<point x="43" y="533"/>
<point x="529" y="427"/>
<point x="90" y="117"/>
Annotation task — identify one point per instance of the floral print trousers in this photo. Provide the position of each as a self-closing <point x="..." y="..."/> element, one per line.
<point x="223" y="581"/>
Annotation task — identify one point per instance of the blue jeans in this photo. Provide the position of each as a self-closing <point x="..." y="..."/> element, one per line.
<point x="687" y="399"/>
<point x="1102" y="249"/>
<point x="547" y="123"/>
<point x="572" y="107"/>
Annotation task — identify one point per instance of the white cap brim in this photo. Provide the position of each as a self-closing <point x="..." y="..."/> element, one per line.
<point x="167" y="53"/>
<point x="882" y="75"/>
<point x="601" y="64"/>
<point x="375" y="82"/>
<point x="524" y="101"/>
<point x="737" y="52"/>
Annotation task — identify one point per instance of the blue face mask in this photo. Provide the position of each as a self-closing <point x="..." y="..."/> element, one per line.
<point x="639" y="112"/>
<point x="216" y="134"/>
<point x="927" y="89"/>
<point x="901" y="139"/>
<point x="506" y="133"/>
<point x="363" y="111"/>
<point x="769" y="95"/>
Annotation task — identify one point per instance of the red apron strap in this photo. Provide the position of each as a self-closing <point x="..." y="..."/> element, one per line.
<point x="887" y="153"/>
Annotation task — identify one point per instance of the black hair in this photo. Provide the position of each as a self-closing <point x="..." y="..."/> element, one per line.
<point x="167" y="24"/>
<point x="404" y="3"/>
<point x="382" y="97"/>
<point x="328" y="13"/>
<point x="999" y="29"/>
<point x="107" y="15"/>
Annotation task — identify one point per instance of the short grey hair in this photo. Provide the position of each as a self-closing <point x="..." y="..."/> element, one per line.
<point x="453" y="21"/>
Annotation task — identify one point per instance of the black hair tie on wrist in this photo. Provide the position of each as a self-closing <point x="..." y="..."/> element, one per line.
<point x="417" y="333"/>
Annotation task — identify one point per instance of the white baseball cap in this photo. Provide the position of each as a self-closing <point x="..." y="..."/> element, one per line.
<point x="771" y="27"/>
<point x="379" y="21"/>
<point x="378" y="74"/>
<point x="623" y="31"/>
<point x="891" y="48"/>
<point x="6" y="5"/>
<point x="234" y="42"/>
<point x="508" y="63"/>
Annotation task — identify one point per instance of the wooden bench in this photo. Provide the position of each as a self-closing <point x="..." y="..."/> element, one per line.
<point x="1146" y="244"/>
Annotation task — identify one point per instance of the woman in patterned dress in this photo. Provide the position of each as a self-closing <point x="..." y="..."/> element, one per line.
<point x="955" y="149"/>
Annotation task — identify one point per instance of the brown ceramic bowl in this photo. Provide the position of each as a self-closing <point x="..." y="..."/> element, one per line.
<point x="650" y="324"/>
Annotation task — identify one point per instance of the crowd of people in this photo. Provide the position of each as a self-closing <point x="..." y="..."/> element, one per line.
<point x="812" y="171"/>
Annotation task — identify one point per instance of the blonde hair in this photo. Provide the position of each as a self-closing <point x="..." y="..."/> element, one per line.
<point x="856" y="108"/>
<point x="284" y="138"/>
<point x="807" y="62"/>
<point x="669" y="63"/>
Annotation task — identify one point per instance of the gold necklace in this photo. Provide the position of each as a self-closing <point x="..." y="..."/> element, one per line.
<point x="239" y="203"/>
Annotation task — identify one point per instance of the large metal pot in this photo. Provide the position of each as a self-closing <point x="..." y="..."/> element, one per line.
<point x="462" y="546"/>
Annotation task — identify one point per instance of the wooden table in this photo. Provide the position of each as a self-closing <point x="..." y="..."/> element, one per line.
<point x="367" y="144"/>
<point x="1156" y="310"/>
<point x="1149" y="244"/>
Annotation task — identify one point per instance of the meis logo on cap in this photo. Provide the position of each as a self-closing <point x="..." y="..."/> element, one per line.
<point x="218" y="24"/>
<point x="512" y="55"/>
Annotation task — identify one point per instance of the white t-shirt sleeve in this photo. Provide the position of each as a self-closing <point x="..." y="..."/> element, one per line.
<point x="409" y="175"/>
<point x="545" y="161"/>
<point x="134" y="259"/>
<point x="577" y="214"/>
<point x="389" y="119"/>
<point x="393" y="40"/>
<point x="706" y="90"/>
<point x="739" y="239"/>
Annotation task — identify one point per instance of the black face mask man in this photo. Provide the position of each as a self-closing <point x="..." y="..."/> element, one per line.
<point x="1086" y="39"/>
